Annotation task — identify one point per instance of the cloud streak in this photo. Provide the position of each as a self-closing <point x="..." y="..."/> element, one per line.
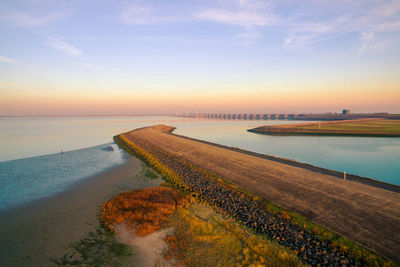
<point x="136" y="14"/>
<point x="366" y="38"/>
<point x="91" y="66"/>
<point x="63" y="47"/>
<point x="245" y="13"/>
<point x="25" y="19"/>
<point x="304" y="23"/>
<point x="7" y="60"/>
<point x="306" y="28"/>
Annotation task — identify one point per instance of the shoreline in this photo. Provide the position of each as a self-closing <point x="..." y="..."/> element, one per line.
<point x="34" y="233"/>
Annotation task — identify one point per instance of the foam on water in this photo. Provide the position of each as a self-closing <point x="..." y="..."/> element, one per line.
<point x="27" y="179"/>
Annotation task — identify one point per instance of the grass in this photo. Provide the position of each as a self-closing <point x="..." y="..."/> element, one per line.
<point x="367" y="126"/>
<point x="362" y="127"/>
<point x="97" y="249"/>
<point x="143" y="210"/>
<point x="150" y="174"/>
<point x="202" y="237"/>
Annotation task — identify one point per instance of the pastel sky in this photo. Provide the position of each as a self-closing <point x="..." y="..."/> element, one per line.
<point x="160" y="56"/>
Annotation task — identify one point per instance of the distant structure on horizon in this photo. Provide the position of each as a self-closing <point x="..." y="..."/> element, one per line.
<point x="345" y="115"/>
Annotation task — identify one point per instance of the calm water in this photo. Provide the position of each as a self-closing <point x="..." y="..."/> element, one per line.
<point x="28" y="179"/>
<point x="31" y="165"/>
<point x="377" y="158"/>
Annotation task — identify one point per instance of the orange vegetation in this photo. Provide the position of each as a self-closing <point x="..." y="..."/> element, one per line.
<point x="143" y="210"/>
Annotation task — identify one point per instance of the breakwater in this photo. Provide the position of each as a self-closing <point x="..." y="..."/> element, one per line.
<point x="246" y="208"/>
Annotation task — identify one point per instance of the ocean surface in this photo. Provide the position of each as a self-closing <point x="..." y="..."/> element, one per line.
<point x="42" y="156"/>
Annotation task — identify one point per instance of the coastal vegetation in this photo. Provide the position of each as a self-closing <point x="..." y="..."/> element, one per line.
<point x="203" y="237"/>
<point x="312" y="243"/>
<point x="363" y="127"/>
<point x="200" y="236"/>
<point x="99" y="248"/>
<point x="150" y="174"/>
<point x="143" y="210"/>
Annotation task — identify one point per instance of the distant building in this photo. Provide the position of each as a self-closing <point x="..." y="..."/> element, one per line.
<point x="346" y="111"/>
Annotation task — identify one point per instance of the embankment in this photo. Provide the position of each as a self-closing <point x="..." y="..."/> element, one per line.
<point x="365" y="214"/>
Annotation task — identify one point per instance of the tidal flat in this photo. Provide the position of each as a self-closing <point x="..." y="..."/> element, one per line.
<point x="42" y="232"/>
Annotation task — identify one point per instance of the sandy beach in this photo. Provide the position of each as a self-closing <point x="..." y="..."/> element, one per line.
<point x="35" y="233"/>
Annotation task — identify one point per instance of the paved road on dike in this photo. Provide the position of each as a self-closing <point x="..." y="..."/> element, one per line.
<point x="363" y="213"/>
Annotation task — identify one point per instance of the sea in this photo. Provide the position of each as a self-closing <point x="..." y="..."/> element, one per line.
<point x="41" y="156"/>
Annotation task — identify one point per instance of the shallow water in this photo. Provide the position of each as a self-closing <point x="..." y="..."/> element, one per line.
<point x="27" y="179"/>
<point x="35" y="177"/>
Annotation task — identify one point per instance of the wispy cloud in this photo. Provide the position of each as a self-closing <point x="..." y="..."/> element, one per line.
<point x="366" y="38"/>
<point x="145" y="14"/>
<point x="7" y="60"/>
<point x="303" y="23"/>
<point x="244" y="13"/>
<point x="63" y="47"/>
<point x="25" y="19"/>
<point x="247" y="14"/>
<point x="91" y="66"/>
<point x="363" y="17"/>
<point x="248" y="37"/>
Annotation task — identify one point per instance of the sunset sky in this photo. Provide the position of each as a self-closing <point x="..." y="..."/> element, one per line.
<point x="158" y="56"/>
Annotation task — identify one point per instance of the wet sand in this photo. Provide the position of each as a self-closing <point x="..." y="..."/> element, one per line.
<point x="32" y="234"/>
<point x="366" y="214"/>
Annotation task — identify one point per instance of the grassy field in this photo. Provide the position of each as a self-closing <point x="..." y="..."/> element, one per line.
<point x="363" y="127"/>
<point x="367" y="126"/>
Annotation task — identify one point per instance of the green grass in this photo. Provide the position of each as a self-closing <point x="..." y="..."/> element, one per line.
<point x="371" y="126"/>
<point x="151" y="174"/>
<point x="98" y="249"/>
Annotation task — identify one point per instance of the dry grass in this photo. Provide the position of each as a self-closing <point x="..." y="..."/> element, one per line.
<point x="363" y="127"/>
<point x="202" y="237"/>
<point x="367" y="126"/>
<point x="143" y="210"/>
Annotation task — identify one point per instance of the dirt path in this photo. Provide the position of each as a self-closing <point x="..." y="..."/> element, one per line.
<point x="148" y="249"/>
<point x="365" y="214"/>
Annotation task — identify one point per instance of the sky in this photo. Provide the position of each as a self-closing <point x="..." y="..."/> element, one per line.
<point x="66" y="57"/>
